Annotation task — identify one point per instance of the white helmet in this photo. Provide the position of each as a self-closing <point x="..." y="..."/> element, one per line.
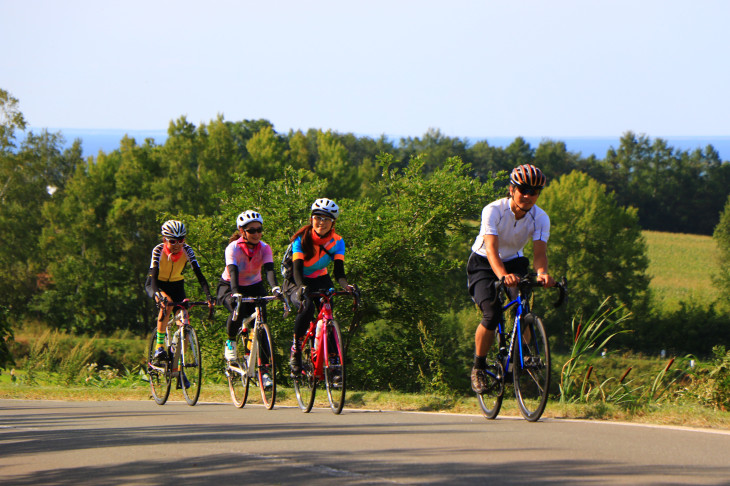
<point x="248" y="216"/>
<point x="174" y="229"/>
<point x="326" y="207"/>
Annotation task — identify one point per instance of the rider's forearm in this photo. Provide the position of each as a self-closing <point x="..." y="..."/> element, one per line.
<point x="233" y="274"/>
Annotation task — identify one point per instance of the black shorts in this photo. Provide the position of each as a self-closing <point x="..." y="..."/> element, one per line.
<point x="481" y="280"/>
<point x="176" y="290"/>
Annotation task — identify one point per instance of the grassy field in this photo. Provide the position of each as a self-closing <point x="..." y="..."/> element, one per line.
<point x="681" y="267"/>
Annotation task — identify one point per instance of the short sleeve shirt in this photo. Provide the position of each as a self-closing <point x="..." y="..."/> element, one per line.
<point x="249" y="267"/>
<point x="333" y="249"/>
<point x="498" y="219"/>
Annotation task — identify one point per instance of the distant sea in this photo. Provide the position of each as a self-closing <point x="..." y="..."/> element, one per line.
<point x="93" y="141"/>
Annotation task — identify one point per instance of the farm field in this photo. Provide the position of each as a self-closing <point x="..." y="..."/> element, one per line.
<point x="681" y="267"/>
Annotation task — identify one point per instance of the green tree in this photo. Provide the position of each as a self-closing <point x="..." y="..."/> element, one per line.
<point x="334" y="166"/>
<point x="597" y="245"/>
<point x="11" y="119"/>
<point x="721" y="236"/>
<point x="266" y="154"/>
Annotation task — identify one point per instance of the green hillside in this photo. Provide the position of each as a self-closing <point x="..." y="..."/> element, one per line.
<point x="681" y="267"/>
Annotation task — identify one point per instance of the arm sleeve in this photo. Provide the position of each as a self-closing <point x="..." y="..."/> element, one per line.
<point x="340" y="270"/>
<point x="151" y="283"/>
<point x="233" y="273"/>
<point x="270" y="274"/>
<point x="201" y="279"/>
<point x="298" y="268"/>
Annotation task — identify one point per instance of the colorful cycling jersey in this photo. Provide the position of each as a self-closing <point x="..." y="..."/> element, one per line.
<point x="498" y="219"/>
<point x="249" y="261"/>
<point x="171" y="265"/>
<point x="326" y="250"/>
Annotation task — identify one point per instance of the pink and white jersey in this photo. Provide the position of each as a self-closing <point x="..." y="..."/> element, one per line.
<point x="249" y="262"/>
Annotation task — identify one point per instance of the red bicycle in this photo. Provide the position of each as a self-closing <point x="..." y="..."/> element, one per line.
<point x="323" y="355"/>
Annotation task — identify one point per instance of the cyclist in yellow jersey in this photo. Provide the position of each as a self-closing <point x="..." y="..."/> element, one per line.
<point x="165" y="280"/>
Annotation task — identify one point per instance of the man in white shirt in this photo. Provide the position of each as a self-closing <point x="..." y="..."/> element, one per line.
<point x="507" y="224"/>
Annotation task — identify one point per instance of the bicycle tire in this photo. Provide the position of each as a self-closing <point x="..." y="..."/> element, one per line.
<point x="266" y="365"/>
<point x="160" y="382"/>
<point x="191" y="366"/>
<point x="532" y="372"/>
<point x="305" y="383"/>
<point x="491" y="400"/>
<point x="334" y="364"/>
<point x="236" y="371"/>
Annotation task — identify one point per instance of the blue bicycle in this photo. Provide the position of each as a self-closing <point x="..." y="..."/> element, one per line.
<point x="522" y="355"/>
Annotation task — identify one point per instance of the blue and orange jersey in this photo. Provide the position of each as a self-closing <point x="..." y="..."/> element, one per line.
<point x="326" y="251"/>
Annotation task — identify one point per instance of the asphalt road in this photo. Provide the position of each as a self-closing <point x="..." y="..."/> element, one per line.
<point x="139" y="442"/>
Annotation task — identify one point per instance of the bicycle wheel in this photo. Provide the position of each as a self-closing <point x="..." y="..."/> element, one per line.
<point x="265" y="366"/>
<point x="191" y="369"/>
<point x="160" y="381"/>
<point x="305" y="383"/>
<point x="237" y="371"/>
<point x="334" y="368"/>
<point x="532" y="370"/>
<point x="491" y="400"/>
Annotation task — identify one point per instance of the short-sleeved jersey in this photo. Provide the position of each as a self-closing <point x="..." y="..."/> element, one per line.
<point x="249" y="268"/>
<point x="333" y="249"/>
<point x="171" y="266"/>
<point x="498" y="219"/>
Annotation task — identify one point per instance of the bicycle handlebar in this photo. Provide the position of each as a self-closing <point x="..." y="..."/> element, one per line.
<point x="529" y="281"/>
<point x="258" y="300"/>
<point x="329" y="293"/>
<point x="187" y="304"/>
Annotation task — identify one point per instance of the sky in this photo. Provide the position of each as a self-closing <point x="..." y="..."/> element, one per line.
<point x="471" y="69"/>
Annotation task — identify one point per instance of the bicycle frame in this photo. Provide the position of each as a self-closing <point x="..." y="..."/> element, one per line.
<point x="321" y="346"/>
<point x="523" y="308"/>
<point x="257" y="317"/>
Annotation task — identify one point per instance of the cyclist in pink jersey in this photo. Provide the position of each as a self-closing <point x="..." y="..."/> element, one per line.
<point x="245" y="256"/>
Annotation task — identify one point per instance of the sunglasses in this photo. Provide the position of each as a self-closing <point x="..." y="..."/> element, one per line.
<point x="322" y="219"/>
<point x="253" y="231"/>
<point x="173" y="241"/>
<point x="529" y="190"/>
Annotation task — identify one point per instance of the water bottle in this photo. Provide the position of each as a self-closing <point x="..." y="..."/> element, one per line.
<point x="175" y="338"/>
<point x="318" y="331"/>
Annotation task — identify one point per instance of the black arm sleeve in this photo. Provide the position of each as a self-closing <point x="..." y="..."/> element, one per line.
<point x="151" y="283"/>
<point x="202" y="281"/>
<point x="340" y="270"/>
<point x="270" y="274"/>
<point x="298" y="272"/>
<point x="233" y="273"/>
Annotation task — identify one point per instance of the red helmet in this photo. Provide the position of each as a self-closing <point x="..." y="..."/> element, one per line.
<point x="527" y="175"/>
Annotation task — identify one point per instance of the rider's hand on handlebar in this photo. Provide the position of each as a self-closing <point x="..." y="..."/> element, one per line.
<point x="300" y="293"/>
<point x="510" y="280"/>
<point x="276" y="291"/>
<point x="236" y="296"/>
<point x="546" y="280"/>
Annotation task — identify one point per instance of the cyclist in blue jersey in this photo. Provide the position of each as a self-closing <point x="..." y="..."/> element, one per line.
<point x="507" y="225"/>
<point x="314" y="247"/>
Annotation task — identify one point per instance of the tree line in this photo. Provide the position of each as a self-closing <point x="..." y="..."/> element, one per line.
<point x="77" y="233"/>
